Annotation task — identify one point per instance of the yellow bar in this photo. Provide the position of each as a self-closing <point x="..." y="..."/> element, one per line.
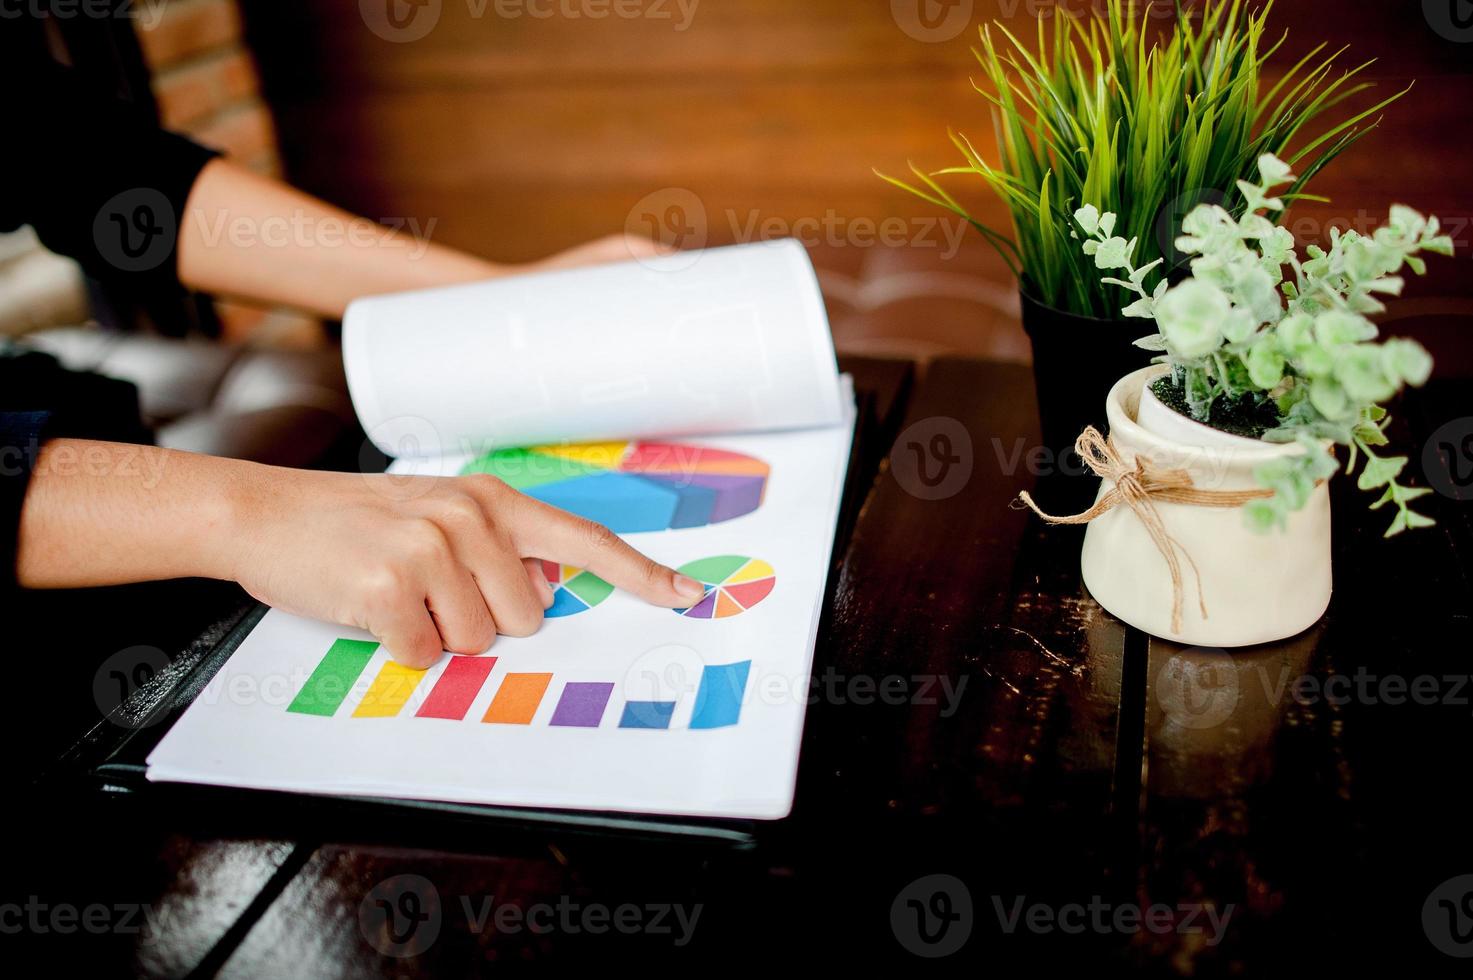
<point x="390" y="689"/>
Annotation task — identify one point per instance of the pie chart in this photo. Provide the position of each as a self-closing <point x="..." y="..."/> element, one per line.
<point x="634" y="486"/>
<point x="573" y="590"/>
<point x="734" y="584"/>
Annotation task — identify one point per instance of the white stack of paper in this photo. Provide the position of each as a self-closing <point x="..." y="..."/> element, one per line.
<point x="711" y="381"/>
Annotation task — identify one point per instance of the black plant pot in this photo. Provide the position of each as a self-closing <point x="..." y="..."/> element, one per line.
<point x="1076" y="361"/>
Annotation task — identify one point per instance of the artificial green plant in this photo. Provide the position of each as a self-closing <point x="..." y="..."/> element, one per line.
<point x="1105" y="114"/>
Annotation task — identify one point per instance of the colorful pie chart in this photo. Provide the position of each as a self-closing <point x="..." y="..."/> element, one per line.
<point x="734" y="584"/>
<point x="573" y="590"/>
<point x="634" y="486"/>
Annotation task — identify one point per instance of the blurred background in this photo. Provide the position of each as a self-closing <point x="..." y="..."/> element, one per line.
<point x="514" y="128"/>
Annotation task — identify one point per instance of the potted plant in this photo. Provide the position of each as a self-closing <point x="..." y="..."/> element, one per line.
<point x="1103" y="114"/>
<point x="1212" y="523"/>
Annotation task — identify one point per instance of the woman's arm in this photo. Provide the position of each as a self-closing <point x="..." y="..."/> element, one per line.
<point x="245" y="235"/>
<point x="424" y="563"/>
<point x="238" y="233"/>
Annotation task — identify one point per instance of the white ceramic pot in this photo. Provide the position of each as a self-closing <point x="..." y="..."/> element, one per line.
<point x="1257" y="587"/>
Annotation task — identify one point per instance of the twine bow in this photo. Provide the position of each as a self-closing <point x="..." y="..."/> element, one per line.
<point x="1139" y="487"/>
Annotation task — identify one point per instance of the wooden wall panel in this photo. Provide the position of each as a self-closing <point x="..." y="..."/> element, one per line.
<point x="520" y="135"/>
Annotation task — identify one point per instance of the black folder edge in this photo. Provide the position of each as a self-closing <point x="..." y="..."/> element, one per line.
<point x="112" y="756"/>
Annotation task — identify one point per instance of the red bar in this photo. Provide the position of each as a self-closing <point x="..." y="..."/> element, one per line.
<point x="455" y="690"/>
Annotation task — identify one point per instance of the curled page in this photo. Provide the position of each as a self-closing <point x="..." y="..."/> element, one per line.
<point x="725" y="340"/>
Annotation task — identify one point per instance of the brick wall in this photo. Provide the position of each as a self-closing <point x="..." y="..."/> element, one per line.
<point x="205" y="81"/>
<point x="206" y="86"/>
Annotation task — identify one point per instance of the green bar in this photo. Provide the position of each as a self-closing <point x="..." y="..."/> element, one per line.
<point x="525" y="469"/>
<point x="330" y="683"/>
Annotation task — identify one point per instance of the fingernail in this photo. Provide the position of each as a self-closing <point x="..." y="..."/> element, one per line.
<point x="688" y="586"/>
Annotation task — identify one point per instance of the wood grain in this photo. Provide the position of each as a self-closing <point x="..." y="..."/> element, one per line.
<point x="1073" y="763"/>
<point x="515" y="135"/>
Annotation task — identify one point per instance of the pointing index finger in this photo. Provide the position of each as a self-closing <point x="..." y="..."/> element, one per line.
<point x="547" y="532"/>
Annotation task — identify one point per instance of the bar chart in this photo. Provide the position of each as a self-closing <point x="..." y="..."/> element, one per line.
<point x="635" y="486"/>
<point x="518" y="698"/>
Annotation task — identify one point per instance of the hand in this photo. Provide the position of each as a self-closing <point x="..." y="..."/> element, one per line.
<point x="423" y="563"/>
<point x="600" y="251"/>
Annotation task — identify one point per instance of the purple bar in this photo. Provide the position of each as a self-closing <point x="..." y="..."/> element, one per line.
<point x="735" y="495"/>
<point x="582" y="705"/>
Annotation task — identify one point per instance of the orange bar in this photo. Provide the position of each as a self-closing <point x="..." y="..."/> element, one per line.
<point x="517" y="700"/>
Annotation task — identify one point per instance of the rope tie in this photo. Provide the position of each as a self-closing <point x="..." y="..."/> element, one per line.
<point x="1139" y="487"/>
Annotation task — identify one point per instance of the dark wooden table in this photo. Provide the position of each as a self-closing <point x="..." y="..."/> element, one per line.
<point x="1089" y="796"/>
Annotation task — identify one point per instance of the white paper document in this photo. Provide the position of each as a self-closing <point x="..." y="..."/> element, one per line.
<point x="613" y="704"/>
<point x="726" y="340"/>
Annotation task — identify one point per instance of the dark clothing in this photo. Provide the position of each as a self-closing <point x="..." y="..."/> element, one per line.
<point x="19" y="433"/>
<point x="96" y="178"/>
<point x="100" y="182"/>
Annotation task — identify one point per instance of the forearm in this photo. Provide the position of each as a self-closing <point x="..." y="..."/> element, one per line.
<point x="426" y="565"/>
<point x="244" y="235"/>
<point x="100" y="513"/>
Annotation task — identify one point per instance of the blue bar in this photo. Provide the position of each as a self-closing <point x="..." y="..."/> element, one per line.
<point x="719" y="698"/>
<point x="647" y="714"/>
<point x="622" y="501"/>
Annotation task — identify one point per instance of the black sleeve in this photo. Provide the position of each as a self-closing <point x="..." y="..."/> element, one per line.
<point x="21" y="434"/>
<point x="100" y="182"/>
<point x="96" y="178"/>
<point x="40" y="400"/>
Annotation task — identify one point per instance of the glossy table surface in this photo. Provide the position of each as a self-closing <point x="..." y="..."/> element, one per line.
<point x="994" y="769"/>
